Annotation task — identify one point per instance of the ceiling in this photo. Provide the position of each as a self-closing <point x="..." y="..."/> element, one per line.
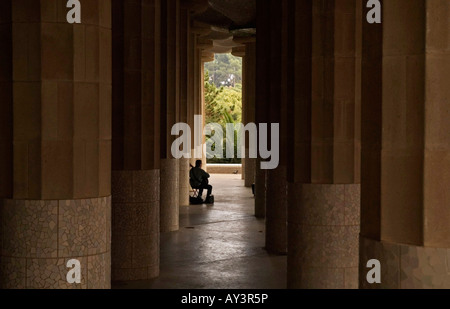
<point x="226" y="20"/>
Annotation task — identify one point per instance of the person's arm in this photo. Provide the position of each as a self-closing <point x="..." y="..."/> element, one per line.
<point x="205" y="174"/>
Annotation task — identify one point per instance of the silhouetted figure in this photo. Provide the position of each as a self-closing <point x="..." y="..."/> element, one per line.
<point x="199" y="180"/>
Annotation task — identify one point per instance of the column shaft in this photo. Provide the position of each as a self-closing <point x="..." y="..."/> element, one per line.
<point x="406" y="146"/>
<point x="170" y="77"/>
<point x="324" y="167"/>
<point x="58" y="204"/>
<point x="136" y="158"/>
<point x="184" y="109"/>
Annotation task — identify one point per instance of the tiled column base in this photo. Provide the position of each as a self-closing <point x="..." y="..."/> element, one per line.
<point x="260" y="190"/>
<point x="135" y="225"/>
<point x="184" y="182"/>
<point x="323" y="236"/>
<point x="38" y="238"/>
<point x="405" y="266"/>
<point x="250" y="165"/>
<point x="170" y="210"/>
<point x="276" y="211"/>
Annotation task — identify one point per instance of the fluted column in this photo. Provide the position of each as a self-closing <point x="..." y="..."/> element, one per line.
<point x="276" y="181"/>
<point x="262" y="96"/>
<point x="184" y="98"/>
<point x="406" y="146"/>
<point x="136" y="158"/>
<point x="57" y="197"/>
<point x="170" y="77"/>
<point x="324" y="190"/>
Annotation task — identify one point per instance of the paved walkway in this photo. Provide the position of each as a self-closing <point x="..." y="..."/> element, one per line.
<point x="218" y="247"/>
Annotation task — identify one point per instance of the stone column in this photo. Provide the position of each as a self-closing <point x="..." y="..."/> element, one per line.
<point x="250" y="104"/>
<point x="170" y="77"/>
<point x="248" y="54"/>
<point x="406" y="146"/>
<point x="262" y="96"/>
<point x="57" y="207"/>
<point x="323" y="174"/>
<point x="184" y="186"/>
<point x="276" y="181"/>
<point x="136" y="174"/>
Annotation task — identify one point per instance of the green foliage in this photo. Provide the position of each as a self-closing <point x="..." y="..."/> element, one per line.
<point x="223" y="106"/>
<point x="225" y="70"/>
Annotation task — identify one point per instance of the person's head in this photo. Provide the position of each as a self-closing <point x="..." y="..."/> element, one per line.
<point x="198" y="163"/>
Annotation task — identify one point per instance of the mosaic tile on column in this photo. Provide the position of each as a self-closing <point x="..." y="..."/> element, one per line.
<point x="122" y="186"/>
<point x="52" y="274"/>
<point x="130" y="219"/>
<point x="30" y="228"/>
<point x="351" y="278"/>
<point x="13" y="273"/>
<point x="73" y="228"/>
<point x="319" y="204"/>
<point x="145" y="186"/>
<point x="153" y="217"/>
<point x="352" y="204"/>
<point x="98" y="273"/>
<point x="424" y="268"/>
<point x="145" y="249"/>
<point x="322" y="278"/>
<point x="97" y="226"/>
<point x="121" y="251"/>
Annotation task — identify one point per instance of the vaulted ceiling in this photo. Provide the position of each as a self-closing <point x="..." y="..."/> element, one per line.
<point x="224" y="21"/>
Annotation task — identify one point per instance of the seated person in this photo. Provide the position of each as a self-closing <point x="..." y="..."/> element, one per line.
<point x="199" y="179"/>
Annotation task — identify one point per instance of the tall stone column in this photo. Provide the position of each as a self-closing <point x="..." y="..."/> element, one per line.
<point x="57" y="206"/>
<point x="406" y="146"/>
<point x="250" y="104"/>
<point x="276" y="181"/>
<point x="136" y="158"/>
<point x="170" y="77"/>
<point x="184" y="186"/>
<point x="324" y="190"/>
<point x="262" y="96"/>
<point x="248" y="54"/>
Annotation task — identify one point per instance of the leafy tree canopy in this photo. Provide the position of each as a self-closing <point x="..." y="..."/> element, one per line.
<point x="225" y="70"/>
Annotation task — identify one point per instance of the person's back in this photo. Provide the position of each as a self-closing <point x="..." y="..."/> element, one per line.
<point x="198" y="176"/>
<point x="199" y="179"/>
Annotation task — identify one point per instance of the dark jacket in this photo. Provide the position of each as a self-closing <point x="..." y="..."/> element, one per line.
<point x="197" y="177"/>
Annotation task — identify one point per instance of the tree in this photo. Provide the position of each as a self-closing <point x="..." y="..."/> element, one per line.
<point x="225" y="70"/>
<point x="223" y="106"/>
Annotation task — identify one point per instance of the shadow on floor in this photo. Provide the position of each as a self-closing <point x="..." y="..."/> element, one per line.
<point x="217" y="247"/>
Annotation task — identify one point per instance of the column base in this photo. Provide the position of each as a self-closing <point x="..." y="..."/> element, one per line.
<point x="405" y="266"/>
<point x="40" y="237"/>
<point x="323" y="233"/>
<point x="276" y="211"/>
<point x="184" y="186"/>
<point x="260" y="194"/>
<point x="135" y="228"/>
<point x="250" y="165"/>
<point x="170" y="211"/>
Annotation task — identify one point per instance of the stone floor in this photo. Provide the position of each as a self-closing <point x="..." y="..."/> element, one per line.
<point x="217" y="247"/>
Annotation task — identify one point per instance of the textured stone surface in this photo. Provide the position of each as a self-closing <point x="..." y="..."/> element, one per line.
<point x="276" y="211"/>
<point x="250" y="170"/>
<point x="323" y="236"/>
<point x="184" y="182"/>
<point x="405" y="266"/>
<point x="30" y="228"/>
<point x="42" y="236"/>
<point x="135" y="225"/>
<point x="169" y="195"/>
